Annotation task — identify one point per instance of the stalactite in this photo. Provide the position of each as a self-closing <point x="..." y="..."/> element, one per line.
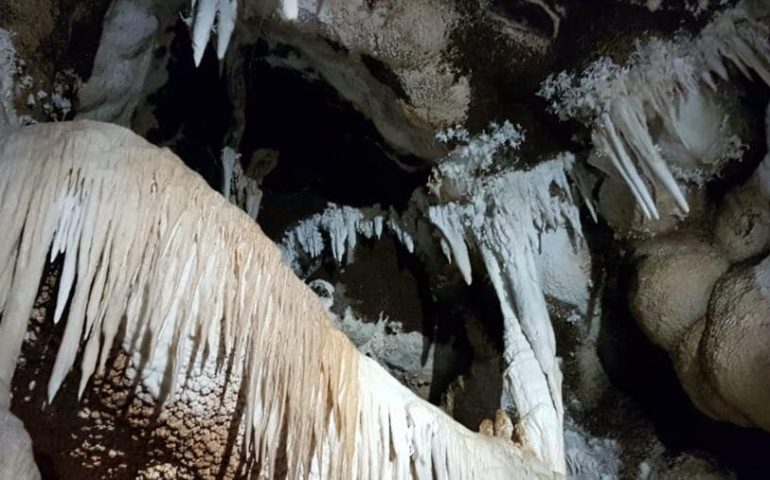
<point x="342" y="226"/>
<point x="220" y="17"/>
<point x="673" y="82"/>
<point x="155" y="251"/>
<point x="502" y="216"/>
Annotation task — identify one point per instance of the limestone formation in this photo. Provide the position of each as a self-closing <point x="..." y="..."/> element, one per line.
<point x="455" y="239"/>
<point x="682" y="264"/>
<point x="733" y="351"/>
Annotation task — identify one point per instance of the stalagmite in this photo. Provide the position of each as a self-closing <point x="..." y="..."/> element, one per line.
<point x="149" y="247"/>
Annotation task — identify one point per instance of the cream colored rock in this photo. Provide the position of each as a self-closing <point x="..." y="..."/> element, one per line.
<point x="16" y="460"/>
<point x="618" y="207"/>
<point x="487" y="427"/>
<point x="687" y="363"/>
<point x="503" y="425"/>
<point x="734" y="348"/>
<point x="673" y="285"/>
<point x="742" y="227"/>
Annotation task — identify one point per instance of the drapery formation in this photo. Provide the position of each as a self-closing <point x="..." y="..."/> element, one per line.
<point x="150" y="250"/>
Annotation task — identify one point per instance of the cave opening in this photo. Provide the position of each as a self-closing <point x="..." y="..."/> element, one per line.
<point x="328" y="152"/>
<point x="192" y="109"/>
<point x="386" y="283"/>
<point x="460" y="325"/>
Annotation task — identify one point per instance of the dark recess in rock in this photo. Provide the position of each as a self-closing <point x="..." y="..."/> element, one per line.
<point x="386" y="279"/>
<point x="385" y="76"/>
<point x="193" y="109"/>
<point x="329" y="152"/>
<point x="526" y="14"/>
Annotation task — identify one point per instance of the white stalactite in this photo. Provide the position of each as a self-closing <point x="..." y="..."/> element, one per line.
<point x="226" y="17"/>
<point x="159" y="253"/>
<point x="672" y="82"/>
<point x="452" y="231"/>
<point x="203" y="23"/>
<point x="221" y="16"/>
<point x="502" y="218"/>
<point x="501" y="213"/>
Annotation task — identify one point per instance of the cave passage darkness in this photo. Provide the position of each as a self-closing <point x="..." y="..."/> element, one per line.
<point x="328" y="151"/>
<point x="386" y="278"/>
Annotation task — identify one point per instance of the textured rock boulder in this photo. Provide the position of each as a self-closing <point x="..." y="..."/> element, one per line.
<point x="734" y="351"/>
<point x="673" y="286"/>
<point x="742" y="227"/>
<point x="618" y="207"/>
<point x="413" y="67"/>
<point x="714" y="324"/>
<point x="384" y="57"/>
<point x="687" y="362"/>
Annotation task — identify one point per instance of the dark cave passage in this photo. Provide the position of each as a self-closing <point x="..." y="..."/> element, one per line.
<point x="327" y="151"/>
<point x="461" y="325"/>
<point x="193" y="109"/>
